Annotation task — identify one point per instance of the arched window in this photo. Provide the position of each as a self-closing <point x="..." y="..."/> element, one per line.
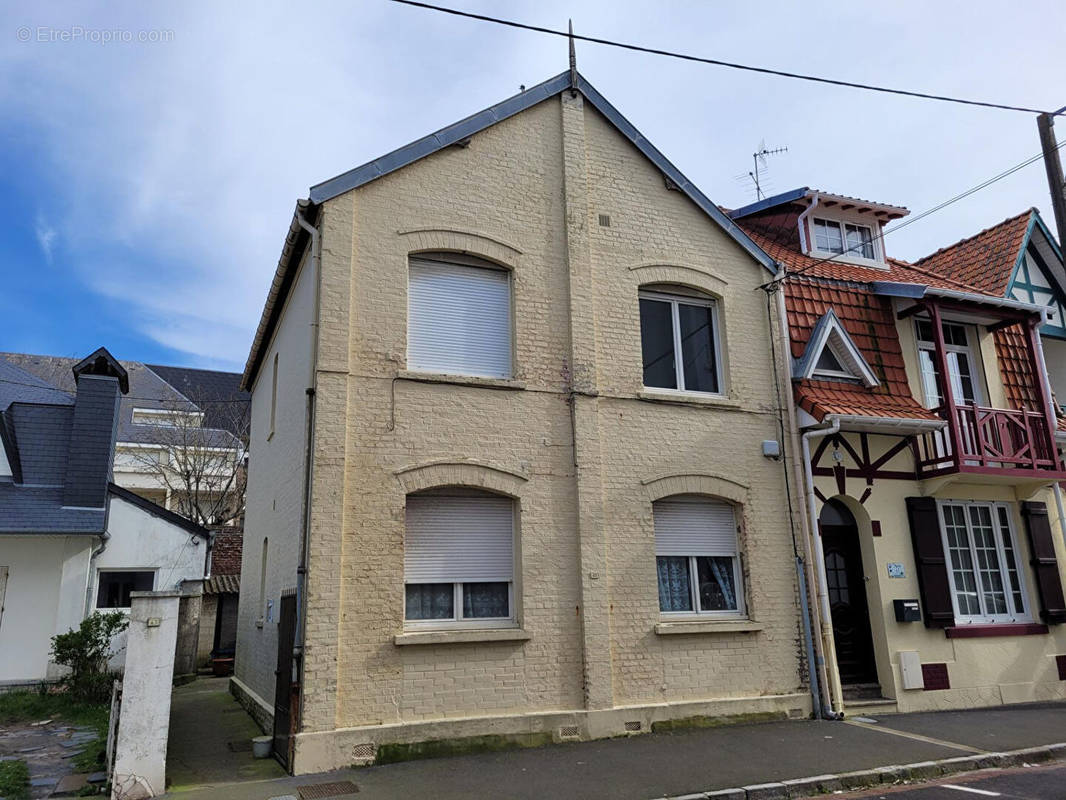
<point x="697" y="557"/>
<point x="459" y="316"/>
<point x="680" y="340"/>
<point x="459" y="557"/>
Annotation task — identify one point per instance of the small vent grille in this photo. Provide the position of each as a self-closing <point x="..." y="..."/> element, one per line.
<point x="632" y="727"/>
<point x="569" y="732"/>
<point x="605" y="220"/>
<point x="314" y="791"/>
<point x="364" y="753"/>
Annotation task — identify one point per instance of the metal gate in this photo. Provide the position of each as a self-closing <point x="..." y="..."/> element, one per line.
<point x="286" y="687"/>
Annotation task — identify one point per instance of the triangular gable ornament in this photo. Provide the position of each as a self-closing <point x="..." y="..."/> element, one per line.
<point x="832" y="354"/>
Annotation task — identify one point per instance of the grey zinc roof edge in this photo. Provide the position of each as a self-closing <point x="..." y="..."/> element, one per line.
<point x="408" y="154"/>
<point x="769" y="202"/>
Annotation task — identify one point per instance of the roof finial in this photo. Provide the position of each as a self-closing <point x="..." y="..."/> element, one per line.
<point x="573" y="63"/>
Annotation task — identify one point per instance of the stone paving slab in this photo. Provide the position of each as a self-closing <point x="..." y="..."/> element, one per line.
<point x="47" y="748"/>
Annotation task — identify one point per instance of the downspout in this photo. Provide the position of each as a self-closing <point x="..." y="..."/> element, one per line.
<point x="312" y="386"/>
<point x="812" y="646"/>
<point x="800" y="220"/>
<point x="833" y="688"/>
<point x="89" y="572"/>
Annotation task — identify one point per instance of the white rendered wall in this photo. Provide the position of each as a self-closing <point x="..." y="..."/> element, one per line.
<point x="1055" y="358"/>
<point x="45" y="595"/>
<point x="274" y="499"/>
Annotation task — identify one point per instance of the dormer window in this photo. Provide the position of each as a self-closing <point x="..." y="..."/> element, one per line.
<point x="829" y="365"/>
<point x="838" y="238"/>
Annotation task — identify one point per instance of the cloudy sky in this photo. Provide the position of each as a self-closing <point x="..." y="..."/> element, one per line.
<point x="147" y="186"/>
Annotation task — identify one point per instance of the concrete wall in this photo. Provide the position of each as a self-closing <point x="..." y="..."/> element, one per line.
<point x="527" y="194"/>
<point x="275" y="493"/>
<point x="45" y="595"/>
<point x="144" y="719"/>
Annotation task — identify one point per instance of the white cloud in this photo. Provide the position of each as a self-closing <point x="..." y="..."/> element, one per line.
<point x="46" y="236"/>
<point x="172" y="168"/>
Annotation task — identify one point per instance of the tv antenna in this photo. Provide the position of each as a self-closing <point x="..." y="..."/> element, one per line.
<point x="759" y="157"/>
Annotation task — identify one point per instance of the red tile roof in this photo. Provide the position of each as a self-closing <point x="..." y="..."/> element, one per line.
<point x="871" y="324"/>
<point x="985" y="260"/>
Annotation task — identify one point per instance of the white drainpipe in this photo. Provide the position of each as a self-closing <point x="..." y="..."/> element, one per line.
<point x="832" y="690"/>
<point x="800" y="220"/>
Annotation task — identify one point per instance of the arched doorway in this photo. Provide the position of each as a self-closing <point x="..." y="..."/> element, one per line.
<point x="846" y="585"/>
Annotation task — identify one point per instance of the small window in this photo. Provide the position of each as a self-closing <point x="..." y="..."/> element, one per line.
<point x="986" y="583"/>
<point x="831" y="236"/>
<point x="459" y="558"/>
<point x="459" y="317"/>
<point x="696" y="557"/>
<point x="679" y="342"/>
<point x="115" y="587"/>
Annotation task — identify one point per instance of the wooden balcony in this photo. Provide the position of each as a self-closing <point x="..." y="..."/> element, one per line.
<point x="990" y="441"/>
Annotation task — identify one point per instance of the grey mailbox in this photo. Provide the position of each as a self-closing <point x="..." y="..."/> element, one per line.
<point x="907" y="611"/>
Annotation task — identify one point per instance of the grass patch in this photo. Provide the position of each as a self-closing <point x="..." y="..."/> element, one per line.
<point x="14" y="780"/>
<point x="29" y="707"/>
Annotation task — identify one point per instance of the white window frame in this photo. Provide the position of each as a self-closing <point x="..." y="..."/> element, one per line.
<point x="878" y="259"/>
<point x="1014" y="614"/>
<point x="740" y="612"/>
<point x="457" y="621"/>
<point x="679" y="365"/>
<point x="976" y="367"/>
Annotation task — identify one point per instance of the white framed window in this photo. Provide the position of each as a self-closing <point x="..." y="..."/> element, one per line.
<point x="459" y="559"/>
<point x="830" y="364"/>
<point x="696" y="557"/>
<point x="113" y="587"/>
<point x="680" y="342"/>
<point x="962" y="366"/>
<point x="459" y="317"/>
<point x="983" y="565"/>
<point x="836" y="237"/>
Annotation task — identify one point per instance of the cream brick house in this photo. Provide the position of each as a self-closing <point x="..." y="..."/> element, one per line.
<point x="518" y="513"/>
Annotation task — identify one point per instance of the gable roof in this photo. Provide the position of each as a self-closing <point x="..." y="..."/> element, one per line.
<point x="296" y="238"/>
<point x="987" y="259"/>
<point x="19" y="386"/>
<point x="830" y="331"/>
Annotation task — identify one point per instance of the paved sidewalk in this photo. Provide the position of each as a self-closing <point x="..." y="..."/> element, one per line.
<point x="636" y="768"/>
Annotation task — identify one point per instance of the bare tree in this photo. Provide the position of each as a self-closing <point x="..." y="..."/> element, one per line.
<point x="204" y="470"/>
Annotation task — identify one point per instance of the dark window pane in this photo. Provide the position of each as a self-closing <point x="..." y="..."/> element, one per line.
<point x="657" y="344"/>
<point x="925" y="330"/>
<point x="697" y="348"/>
<point x="717" y="584"/>
<point x="115" y="587"/>
<point x="485" y="600"/>
<point x="430" y="601"/>
<point x="674" y="587"/>
<point x="828" y="361"/>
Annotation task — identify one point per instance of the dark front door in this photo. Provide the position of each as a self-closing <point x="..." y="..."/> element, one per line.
<point x="286" y="689"/>
<point x="847" y="603"/>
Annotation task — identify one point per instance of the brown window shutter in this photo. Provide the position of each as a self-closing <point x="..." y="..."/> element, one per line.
<point x="1046" y="567"/>
<point x="932" y="565"/>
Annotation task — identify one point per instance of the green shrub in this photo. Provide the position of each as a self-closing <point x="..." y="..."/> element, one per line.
<point x="86" y="651"/>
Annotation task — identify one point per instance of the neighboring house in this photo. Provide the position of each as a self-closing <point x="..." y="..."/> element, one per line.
<point x="929" y="460"/>
<point x="71" y="541"/>
<point x="512" y="401"/>
<point x="181" y="444"/>
<point x="1020" y="259"/>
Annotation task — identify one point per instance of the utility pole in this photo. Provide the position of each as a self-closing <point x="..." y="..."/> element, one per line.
<point x="1056" y="183"/>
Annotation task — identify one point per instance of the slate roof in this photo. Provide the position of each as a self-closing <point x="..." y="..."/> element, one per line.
<point x="18" y="385"/>
<point x="147" y="389"/>
<point x="985" y="260"/>
<point x="225" y="405"/>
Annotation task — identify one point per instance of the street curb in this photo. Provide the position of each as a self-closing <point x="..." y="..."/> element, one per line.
<point x="863" y="779"/>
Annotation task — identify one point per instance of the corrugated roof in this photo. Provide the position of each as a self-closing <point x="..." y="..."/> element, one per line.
<point x="223" y="584"/>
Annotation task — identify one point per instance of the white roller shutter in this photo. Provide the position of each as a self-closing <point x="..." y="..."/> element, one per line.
<point x="459" y="319"/>
<point x="691" y="526"/>
<point x="459" y="539"/>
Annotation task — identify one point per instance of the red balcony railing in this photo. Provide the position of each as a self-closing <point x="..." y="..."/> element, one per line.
<point x="990" y="440"/>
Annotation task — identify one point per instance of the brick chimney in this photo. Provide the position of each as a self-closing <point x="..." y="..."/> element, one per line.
<point x="101" y="381"/>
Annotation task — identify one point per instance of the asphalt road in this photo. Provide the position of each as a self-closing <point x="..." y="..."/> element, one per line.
<point x="1024" y="783"/>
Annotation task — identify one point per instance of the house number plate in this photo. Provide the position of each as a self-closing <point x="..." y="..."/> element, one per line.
<point x="896" y="570"/>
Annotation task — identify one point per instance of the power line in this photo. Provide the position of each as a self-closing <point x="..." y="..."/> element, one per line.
<point x="731" y="65"/>
<point x="928" y="211"/>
